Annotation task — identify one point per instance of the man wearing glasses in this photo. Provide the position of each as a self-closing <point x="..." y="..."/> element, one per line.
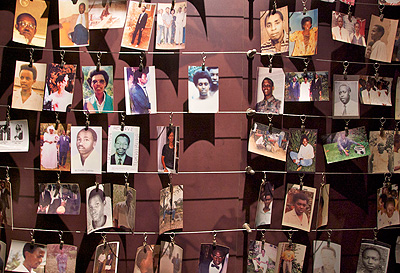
<point x="26" y="26"/>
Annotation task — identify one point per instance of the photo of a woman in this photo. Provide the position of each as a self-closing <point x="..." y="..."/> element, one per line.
<point x="168" y="147"/>
<point x="303" y="42"/>
<point x="49" y="148"/>
<point x="61" y="99"/>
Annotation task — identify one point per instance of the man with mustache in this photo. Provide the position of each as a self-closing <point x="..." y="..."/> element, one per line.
<point x="87" y="158"/>
<point x="345" y="106"/>
<point x="120" y="157"/>
<point x="26" y="98"/>
<point x="27" y="26"/>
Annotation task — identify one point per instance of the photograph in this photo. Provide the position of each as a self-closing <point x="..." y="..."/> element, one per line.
<point x="274" y="31"/>
<point x="381" y="155"/>
<point x="389" y="2"/>
<point x="106" y="258"/>
<point x="6" y="212"/>
<point x="15" y="136"/>
<point x="74" y="23"/>
<point x="60" y="198"/>
<point x="61" y="260"/>
<point x="310" y="86"/>
<point x="59" y="87"/>
<point x="396" y="48"/>
<point x="167" y="149"/>
<point x="140" y="90"/>
<point x="349" y="2"/>
<point x="397" y="250"/>
<point x="373" y="257"/>
<point x="123" y="149"/>
<point x="171" y="208"/>
<point x="339" y="147"/>
<point x="203" y="87"/>
<point x="98" y="207"/>
<point x="396" y="153"/>
<point x="397" y="104"/>
<point x="261" y="258"/>
<point x="85" y="151"/>
<point x="171" y="257"/>
<point x="375" y="90"/>
<point x="25" y="257"/>
<point x="270" y="90"/>
<point x="171" y="26"/>
<point x="264" y="204"/>
<point x="381" y="38"/>
<point x="30" y="22"/>
<point x="29" y="85"/>
<point x="388" y="206"/>
<point x="303" y="35"/>
<point x="299" y="207"/>
<point x="3" y="251"/>
<point x="323" y="206"/>
<point x="345" y="99"/>
<point x="213" y="256"/>
<point x="147" y="258"/>
<point x="326" y="257"/>
<point x="348" y="31"/>
<point x="301" y="150"/>
<point x="98" y="89"/>
<point x="107" y="14"/>
<point x="138" y="25"/>
<point x="124" y="207"/>
<point x="290" y="258"/>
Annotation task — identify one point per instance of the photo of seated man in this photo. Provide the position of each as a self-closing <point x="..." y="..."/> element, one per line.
<point x="74" y="23"/>
<point x="301" y="150"/>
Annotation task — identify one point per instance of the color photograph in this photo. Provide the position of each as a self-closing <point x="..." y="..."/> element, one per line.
<point x="261" y="259"/>
<point x="388" y="206"/>
<point x="106" y="258"/>
<point x="171" y="208"/>
<point x="375" y="90"/>
<point x="168" y="149"/>
<point x="326" y="257"/>
<point x="171" y="256"/>
<point x="274" y="31"/>
<point x="61" y="260"/>
<point x="74" y="23"/>
<point x="213" y="257"/>
<point x="348" y="31"/>
<point x="301" y="151"/>
<point x="303" y="35"/>
<point x="381" y="155"/>
<point x="57" y="198"/>
<point x="124" y="207"/>
<point x="203" y="89"/>
<point x="107" y="14"/>
<point x="6" y="216"/>
<point x="290" y="258"/>
<point x="98" y="207"/>
<point x="147" y="257"/>
<point x="270" y="90"/>
<point x="310" y="86"/>
<point x="25" y="257"/>
<point x="264" y="204"/>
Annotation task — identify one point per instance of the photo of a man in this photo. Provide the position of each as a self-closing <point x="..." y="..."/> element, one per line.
<point x="373" y="257"/>
<point x="24" y="257"/>
<point x="301" y="150"/>
<point x="106" y="258"/>
<point x="381" y="146"/>
<point x="121" y="145"/>
<point x="213" y="258"/>
<point x="124" y="206"/>
<point x="264" y="205"/>
<point x="327" y="257"/>
<point x="61" y="260"/>
<point x="147" y="258"/>
<point x="171" y="209"/>
<point x="289" y="257"/>
<point x="339" y="31"/>
<point x="107" y="14"/>
<point x="274" y="31"/>
<point x="74" y="23"/>
<point x="346" y="99"/>
<point x="270" y="92"/>
<point x="98" y="208"/>
<point x="262" y="257"/>
<point x="201" y="97"/>
<point x="170" y="258"/>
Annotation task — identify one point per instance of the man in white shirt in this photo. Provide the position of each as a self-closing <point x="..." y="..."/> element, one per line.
<point x="376" y="49"/>
<point x="305" y="155"/>
<point x="339" y="33"/>
<point x="345" y="106"/>
<point x="33" y="256"/>
<point x="27" y="27"/>
<point x="80" y="35"/>
<point x="124" y="212"/>
<point x="26" y="98"/>
<point x="87" y="159"/>
<point x="297" y="216"/>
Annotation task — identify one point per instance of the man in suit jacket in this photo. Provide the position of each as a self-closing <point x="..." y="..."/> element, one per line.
<point x="120" y="157"/>
<point x="215" y="265"/>
<point x="139" y="96"/>
<point x="44" y="199"/>
<point x="140" y="25"/>
<point x="316" y="87"/>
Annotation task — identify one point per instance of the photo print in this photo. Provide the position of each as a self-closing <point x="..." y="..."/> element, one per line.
<point x="59" y="87"/>
<point x="373" y="257"/>
<point x="140" y="90"/>
<point x="290" y="257"/>
<point x="264" y="204"/>
<point x="274" y="31"/>
<point x="6" y="217"/>
<point x="61" y="259"/>
<point x="147" y="258"/>
<point x="262" y="257"/>
<point x="381" y="155"/>
<point x="339" y="147"/>
<point x="323" y="206"/>
<point x="123" y="149"/>
<point x="345" y="99"/>
<point x="310" y="86"/>
<point x="55" y="147"/>
<point x="213" y="257"/>
<point x="55" y="198"/>
<point x="107" y="14"/>
<point x="25" y="257"/>
<point x="3" y="251"/>
<point x="396" y="152"/>
<point x="74" y="23"/>
<point x="106" y="257"/>
<point x="85" y="149"/>
<point x="167" y="149"/>
<point x="397" y="104"/>
<point x="170" y="258"/>
<point x="375" y="90"/>
<point x="171" y="26"/>
<point x="303" y="35"/>
<point x="171" y="208"/>
<point x="124" y="207"/>
<point x="138" y="25"/>
<point x="397" y="250"/>
<point x="98" y="207"/>
<point x="381" y="38"/>
<point x="98" y="89"/>
<point x="301" y="150"/>
<point x="270" y="90"/>
<point x="396" y="48"/>
<point x="30" y="22"/>
<point x="299" y="207"/>
<point x="348" y="31"/>
<point x="387" y="204"/>
<point x="326" y="257"/>
<point x="29" y="84"/>
<point x="203" y="86"/>
<point x="389" y="2"/>
<point x="15" y="136"/>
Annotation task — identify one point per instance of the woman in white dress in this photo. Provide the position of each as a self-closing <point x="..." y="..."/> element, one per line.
<point x="305" y="90"/>
<point x="49" y="148"/>
<point x="61" y="98"/>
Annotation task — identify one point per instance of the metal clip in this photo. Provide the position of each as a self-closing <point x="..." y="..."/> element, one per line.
<point x="145" y="241"/>
<point x="7" y="174"/>
<point x="290" y="237"/>
<point x="304" y="6"/>
<point x="62" y="54"/>
<point x="123" y="121"/>
<point x="323" y="183"/>
<point x="262" y="239"/>
<point x="375" y="230"/>
<point x="104" y="236"/>
<point x="345" y="65"/>
<point x="329" y="237"/>
<point x="58" y="178"/>
<point x="264" y="180"/>
<point x="57" y="120"/>
<point x="31" y="50"/>
<point x="170" y="119"/>
<point x="203" y="65"/>
<point x="306" y="62"/>
<point x="396" y="128"/>
<point x="214" y="238"/>
<point x="97" y="185"/>
<point x="381" y="7"/>
<point x="382" y="130"/>
<point x="303" y="120"/>
<point x="126" y="175"/>
<point x="32" y="239"/>
<point x="8" y="118"/>
<point x="274" y="7"/>
<point x="346" y="127"/>
<point x="301" y="176"/>
<point x="386" y="183"/>
<point x="270" y="116"/>
<point x="376" y="66"/>
<point x="60" y="234"/>
<point x="271" y="58"/>
<point x="98" y="65"/>
<point x="140" y="3"/>
<point x="87" y="123"/>
<point x="141" y="65"/>
<point x="172" y="236"/>
<point x="349" y="13"/>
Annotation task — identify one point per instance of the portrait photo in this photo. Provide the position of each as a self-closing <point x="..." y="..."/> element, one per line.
<point x="213" y="257"/>
<point x="396" y="48"/>
<point x="15" y="136"/>
<point x="381" y="38"/>
<point x="171" y="209"/>
<point x="310" y="86"/>
<point x="124" y="207"/>
<point x="167" y="149"/>
<point x="171" y="26"/>
<point x="25" y="257"/>
<point x="171" y="256"/>
<point x="299" y="207"/>
<point x="388" y="206"/>
<point x="349" y="2"/>
<point x="270" y="90"/>
<point x="397" y="250"/>
<point x="375" y="91"/>
<point x="60" y="198"/>
<point x="140" y="90"/>
<point x="303" y="35"/>
<point x="345" y="99"/>
<point x="274" y="31"/>
<point x="98" y="207"/>
<point x="290" y="257"/>
<point x="107" y="14"/>
<point x="147" y="258"/>
<point x="123" y="149"/>
<point x="301" y="151"/>
<point x="98" y="89"/>
<point x="61" y="260"/>
<point x="106" y="258"/>
<point x="74" y="23"/>
<point x="323" y="206"/>
<point x="6" y="212"/>
<point x="138" y="25"/>
<point x="348" y="31"/>
<point x="86" y="150"/>
<point x="264" y="204"/>
<point x="261" y="259"/>
<point x="29" y="84"/>
<point x="326" y="257"/>
<point x="59" y="87"/>
<point x="339" y="146"/>
<point x="55" y="147"/>
<point x="381" y="158"/>
<point x="373" y="257"/>
<point x="3" y="251"/>
<point x="30" y="22"/>
<point x="203" y="87"/>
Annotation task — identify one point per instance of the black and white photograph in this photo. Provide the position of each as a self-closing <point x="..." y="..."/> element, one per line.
<point x="74" y="23"/>
<point x="274" y="31"/>
<point x="382" y="156"/>
<point x="171" y="256"/>
<point x="213" y="258"/>
<point x="387" y="206"/>
<point x="262" y="257"/>
<point x="61" y="259"/>
<point x="310" y="86"/>
<point x="167" y="149"/>
<point x="303" y="35"/>
<point x="301" y="150"/>
<point x="98" y="207"/>
<point x="290" y="257"/>
<point x="270" y="90"/>
<point x="264" y="204"/>
<point x="107" y="14"/>
<point x="15" y="136"/>
<point x="147" y="257"/>
<point x="345" y="99"/>
<point x="106" y="258"/>
<point x="55" y="198"/>
<point x="23" y="257"/>
<point x="375" y="90"/>
<point x="124" y="207"/>
<point x="373" y="257"/>
<point x="326" y="257"/>
<point x="171" y="208"/>
<point x="203" y="89"/>
<point x="348" y="31"/>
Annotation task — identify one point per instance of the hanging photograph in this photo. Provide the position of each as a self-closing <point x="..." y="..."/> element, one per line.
<point x="323" y="206"/>
<point x="23" y="257"/>
<point x="138" y="25"/>
<point x="29" y="84"/>
<point x="123" y="149"/>
<point x="396" y="48"/>
<point x="303" y="35"/>
<point x="264" y="204"/>
<point x="397" y="104"/>
<point x="147" y="257"/>
<point x="301" y="150"/>
<point x="397" y="250"/>
<point x="6" y="204"/>
<point x="375" y="90"/>
<point x="373" y="257"/>
<point x="290" y="257"/>
<point x="171" y="208"/>
<point x="274" y="31"/>
<point x="381" y="157"/>
<point x="261" y="258"/>
<point x="389" y="2"/>
<point x="124" y="207"/>
<point x="3" y="251"/>
<point x="203" y="95"/>
<point x="215" y="257"/>
<point x="106" y="257"/>
<point x="98" y="207"/>
<point x="15" y="136"/>
<point x="57" y="198"/>
<point x="349" y="2"/>
<point x="140" y="90"/>
<point x="396" y="152"/>
<point x="348" y="31"/>
<point x="61" y="260"/>
<point x="30" y="22"/>
<point x="345" y="99"/>
<point x="387" y="204"/>
<point x="167" y="149"/>
<point x="74" y="23"/>
<point x="270" y="90"/>
<point x="107" y="14"/>
<point x="171" y="257"/>
<point x="326" y="257"/>
<point x="171" y="26"/>
<point x="310" y="86"/>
